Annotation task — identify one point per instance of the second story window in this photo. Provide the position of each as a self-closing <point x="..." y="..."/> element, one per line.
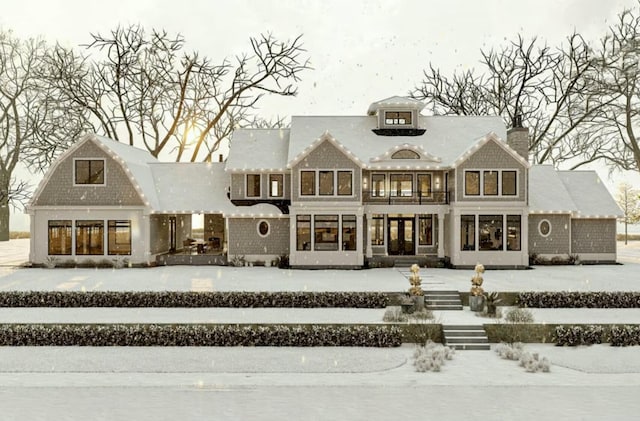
<point x="276" y="185"/>
<point x="253" y="185"/>
<point x="307" y="183"/>
<point x="489" y="183"/>
<point x="377" y="185"/>
<point x="89" y="171"/>
<point x="326" y="183"/>
<point x="397" y="118"/>
<point x="401" y="185"/>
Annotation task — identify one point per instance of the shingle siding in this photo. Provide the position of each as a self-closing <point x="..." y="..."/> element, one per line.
<point x="593" y="236"/>
<point x="244" y="238"/>
<point x="491" y="157"/>
<point x="325" y="157"/>
<point x="557" y="242"/>
<point x="60" y="189"/>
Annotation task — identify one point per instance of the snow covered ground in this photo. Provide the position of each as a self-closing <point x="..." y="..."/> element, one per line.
<point x="110" y="383"/>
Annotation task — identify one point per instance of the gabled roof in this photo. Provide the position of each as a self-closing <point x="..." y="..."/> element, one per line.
<point x="134" y="162"/>
<point x="326" y="137"/>
<point x="258" y="150"/>
<point x="395" y="102"/>
<point x="446" y="137"/>
<point x="490" y="137"/>
<point x="590" y="195"/>
<point x="581" y="193"/>
<point x="547" y="192"/>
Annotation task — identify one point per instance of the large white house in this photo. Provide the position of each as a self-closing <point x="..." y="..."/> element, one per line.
<point x="331" y="191"/>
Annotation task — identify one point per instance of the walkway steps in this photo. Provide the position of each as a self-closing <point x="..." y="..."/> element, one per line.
<point x="466" y="337"/>
<point x="442" y="300"/>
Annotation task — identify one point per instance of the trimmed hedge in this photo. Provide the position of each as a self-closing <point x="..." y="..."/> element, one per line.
<point x="199" y="335"/>
<point x="595" y="334"/>
<point x="192" y="299"/>
<point x="565" y="299"/>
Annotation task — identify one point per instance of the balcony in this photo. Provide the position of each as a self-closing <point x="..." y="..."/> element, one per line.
<point x="407" y="198"/>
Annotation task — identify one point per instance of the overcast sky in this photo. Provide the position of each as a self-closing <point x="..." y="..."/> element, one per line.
<point x="361" y="51"/>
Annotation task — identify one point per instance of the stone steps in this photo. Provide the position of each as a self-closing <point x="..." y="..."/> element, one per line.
<point x="466" y="337"/>
<point x="442" y="300"/>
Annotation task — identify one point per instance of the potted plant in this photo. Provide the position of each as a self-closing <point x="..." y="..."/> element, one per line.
<point x="492" y="300"/>
<point x="476" y="295"/>
<point x="416" y="292"/>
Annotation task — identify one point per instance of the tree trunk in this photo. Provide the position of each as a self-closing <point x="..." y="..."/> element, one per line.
<point x="4" y="209"/>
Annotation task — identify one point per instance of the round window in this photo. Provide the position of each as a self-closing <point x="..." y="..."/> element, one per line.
<point x="544" y="228"/>
<point x="263" y="228"/>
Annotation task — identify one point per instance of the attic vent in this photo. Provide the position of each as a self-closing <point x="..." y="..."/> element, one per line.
<point x="405" y="154"/>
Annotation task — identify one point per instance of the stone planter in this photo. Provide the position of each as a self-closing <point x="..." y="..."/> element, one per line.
<point x="476" y="302"/>
<point x="418" y="302"/>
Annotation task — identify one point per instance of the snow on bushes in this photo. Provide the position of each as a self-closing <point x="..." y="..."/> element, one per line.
<point x="431" y="356"/>
<point x="531" y="362"/>
<point x="578" y="299"/>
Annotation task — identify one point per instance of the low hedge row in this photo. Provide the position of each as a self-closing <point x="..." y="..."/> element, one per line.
<point x="565" y="299"/>
<point x="191" y="299"/>
<point x="199" y="335"/>
<point x="590" y="335"/>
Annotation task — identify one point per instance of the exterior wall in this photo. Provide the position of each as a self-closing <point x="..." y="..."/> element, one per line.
<point x="244" y="239"/>
<point x="238" y="186"/>
<point x="591" y="237"/>
<point x="491" y="157"/>
<point x="326" y="157"/>
<point x="40" y="233"/>
<point x="451" y="185"/>
<point x="558" y="242"/>
<point x="60" y="189"/>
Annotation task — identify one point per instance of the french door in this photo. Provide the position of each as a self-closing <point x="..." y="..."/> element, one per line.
<point x="401" y="235"/>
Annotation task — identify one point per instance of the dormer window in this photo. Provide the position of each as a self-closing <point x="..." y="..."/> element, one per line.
<point x="397" y="118"/>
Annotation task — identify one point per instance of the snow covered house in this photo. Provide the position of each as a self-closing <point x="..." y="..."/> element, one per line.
<point x="331" y="191"/>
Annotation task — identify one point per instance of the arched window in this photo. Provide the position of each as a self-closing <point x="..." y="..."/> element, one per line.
<point x="405" y="154"/>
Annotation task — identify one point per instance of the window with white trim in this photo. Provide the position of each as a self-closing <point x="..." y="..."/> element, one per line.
<point x="253" y="185"/>
<point x="59" y="237"/>
<point x="397" y="118"/>
<point x="89" y="171"/>
<point x="326" y="183"/>
<point x="263" y="228"/>
<point x="490" y="183"/>
<point x="377" y="230"/>
<point x="276" y="185"/>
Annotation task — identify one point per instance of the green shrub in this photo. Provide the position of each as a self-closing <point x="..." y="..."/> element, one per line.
<point x="578" y="335"/>
<point x="199" y="335"/>
<point x="519" y="315"/>
<point x="625" y="335"/>
<point x="565" y="299"/>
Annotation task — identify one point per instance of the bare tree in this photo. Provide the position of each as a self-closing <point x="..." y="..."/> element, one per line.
<point x="143" y="88"/>
<point x="547" y="88"/>
<point x="628" y="199"/>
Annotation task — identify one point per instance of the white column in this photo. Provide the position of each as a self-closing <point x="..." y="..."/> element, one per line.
<point x="440" y="234"/>
<point x="369" y="250"/>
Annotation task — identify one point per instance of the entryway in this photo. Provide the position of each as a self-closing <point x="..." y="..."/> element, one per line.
<point x="401" y="235"/>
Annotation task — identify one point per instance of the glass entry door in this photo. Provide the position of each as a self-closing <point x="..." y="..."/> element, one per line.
<point x="401" y="236"/>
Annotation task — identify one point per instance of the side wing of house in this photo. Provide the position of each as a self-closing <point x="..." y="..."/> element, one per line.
<point x="88" y="208"/>
<point x="489" y="215"/>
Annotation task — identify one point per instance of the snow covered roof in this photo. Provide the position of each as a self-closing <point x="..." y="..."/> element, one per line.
<point x="580" y="193"/>
<point x="547" y="192"/>
<point x="395" y="102"/>
<point x="446" y="137"/>
<point x="258" y="150"/>
<point x="590" y="195"/>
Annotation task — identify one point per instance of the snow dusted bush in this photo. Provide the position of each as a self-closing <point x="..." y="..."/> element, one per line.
<point x="395" y="315"/>
<point x="532" y="363"/>
<point x="192" y="299"/>
<point x="50" y="262"/>
<point x="577" y="299"/>
<point x="199" y="335"/>
<point x="625" y="335"/>
<point x="519" y="315"/>
<point x="431" y="357"/>
<point x="579" y="335"/>
<point x="510" y="351"/>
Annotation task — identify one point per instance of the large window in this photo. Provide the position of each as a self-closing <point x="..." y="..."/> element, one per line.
<point x="425" y="230"/>
<point x="89" y="171"/>
<point x="307" y="183"/>
<point x="393" y="118"/>
<point x="276" y="185"/>
<point x="253" y="185"/>
<point x="401" y="185"/>
<point x="472" y="183"/>
<point x="119" y="237"/>
<point x="377" y="230"/>
<point x="377" y="185"/>
<point x="59" y="237"/>
<point x="90" y="238"/>
<point x="490" y="232"/>
<point x="513" y="232"/>
<point x="348" y="232"/>
<point x="509" y="185"/>
<point x="326" y="232"/>
<point x="303" y="232"/>
<point x="467" y="232"/>
<point x="345" y="183"/>
<point x="326" y="183"/>
<point x="424" y="185"/>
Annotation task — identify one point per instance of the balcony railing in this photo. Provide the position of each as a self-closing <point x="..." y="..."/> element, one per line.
<point x="407" y="197"/>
